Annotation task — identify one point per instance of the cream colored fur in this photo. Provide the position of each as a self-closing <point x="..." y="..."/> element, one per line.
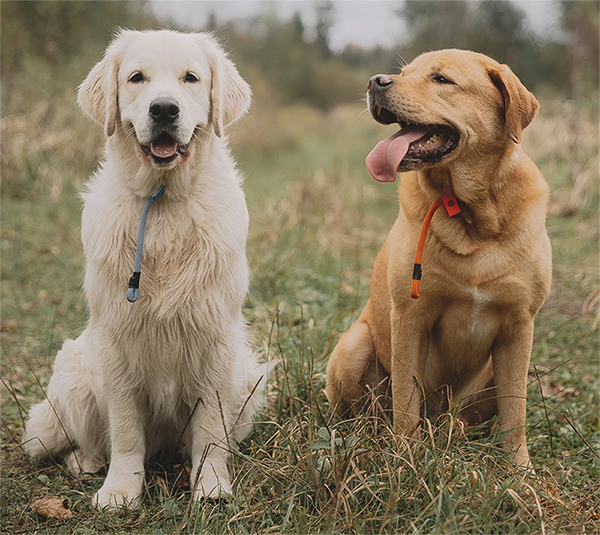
<point x="128" y="385"/>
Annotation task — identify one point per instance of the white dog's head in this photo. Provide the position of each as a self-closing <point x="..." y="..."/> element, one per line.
<point x="160" y="88"/>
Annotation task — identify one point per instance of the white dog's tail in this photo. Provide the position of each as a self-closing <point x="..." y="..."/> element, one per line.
<point x="251" y="378"/>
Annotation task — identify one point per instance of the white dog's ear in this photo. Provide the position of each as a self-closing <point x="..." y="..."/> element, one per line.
<point x="230" y="95"/>
<point x="98" y="94"/>
<point x="520" y="106"/>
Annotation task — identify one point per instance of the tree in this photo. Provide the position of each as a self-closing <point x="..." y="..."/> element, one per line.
<point x="297" y="27"/>
<point x="211" y="22"/>
<point x="433" y="25"/>
<point x="324" y="11"/>
<point x="580" y="21"/>
<point x="497" y="28"/>
<point x="55" y="31"/>
<point x="503" y="33"/>
<point x="59" y="41"/>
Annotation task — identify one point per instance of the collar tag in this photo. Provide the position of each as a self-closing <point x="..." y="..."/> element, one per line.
<point x="451" y="206"/>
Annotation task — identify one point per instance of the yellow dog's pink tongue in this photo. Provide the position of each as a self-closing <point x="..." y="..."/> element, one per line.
<point x="383" y="161"/>
<point x="162" y="148"/>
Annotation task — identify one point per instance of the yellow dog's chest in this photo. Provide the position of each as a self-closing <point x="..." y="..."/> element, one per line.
<point x="460" y="341"/>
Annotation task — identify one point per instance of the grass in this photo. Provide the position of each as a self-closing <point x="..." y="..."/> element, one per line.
<point x="318" y="221"/>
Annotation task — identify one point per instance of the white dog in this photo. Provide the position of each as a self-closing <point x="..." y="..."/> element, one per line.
<point x="174" y="367"/>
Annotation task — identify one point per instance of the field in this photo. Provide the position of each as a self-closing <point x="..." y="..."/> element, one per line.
<point x="317" y="222"/>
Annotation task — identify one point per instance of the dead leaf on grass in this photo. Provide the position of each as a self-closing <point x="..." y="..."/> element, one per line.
<point x="8" y="326"/>
<point x="183" y="475"/>
<point x="52" y="507"/>
<point x="162" y="484"/>
<point x="553" y="389"/>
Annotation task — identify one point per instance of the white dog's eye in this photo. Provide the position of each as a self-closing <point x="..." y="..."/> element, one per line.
<point x="191" y="78"/>
<point x="136" y="78"/>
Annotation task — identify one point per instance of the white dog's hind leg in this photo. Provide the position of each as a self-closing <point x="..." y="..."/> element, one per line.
<point x="249" y="384"/>
<point x="44" y="435"/>
<point x="68" y="419"/>
<point x="79" y="463"/>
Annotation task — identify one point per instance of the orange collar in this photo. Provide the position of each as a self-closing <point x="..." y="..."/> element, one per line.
<point x="452" y="209"/>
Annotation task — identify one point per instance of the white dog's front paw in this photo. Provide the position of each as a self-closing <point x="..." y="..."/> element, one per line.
<point x="116" y="495"/>
<point x="212" y="485"/>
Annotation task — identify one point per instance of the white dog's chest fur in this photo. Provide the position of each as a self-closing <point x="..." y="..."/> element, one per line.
<point x="191" y="285"/>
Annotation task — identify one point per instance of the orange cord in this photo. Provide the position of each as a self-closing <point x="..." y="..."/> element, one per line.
<point x="452" y="209"/>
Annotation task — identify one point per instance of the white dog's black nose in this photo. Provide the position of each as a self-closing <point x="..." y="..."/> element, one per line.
<point x="164" y="110"/>
<point x="380" y="81"/>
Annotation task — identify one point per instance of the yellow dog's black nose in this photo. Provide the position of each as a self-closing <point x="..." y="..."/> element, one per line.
<point x="380" y="81"/>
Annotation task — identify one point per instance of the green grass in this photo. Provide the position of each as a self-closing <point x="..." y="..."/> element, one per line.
<point x="317" y="222"/>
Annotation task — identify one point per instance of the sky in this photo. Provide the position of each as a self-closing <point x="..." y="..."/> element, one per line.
<point x="363" y="22"/>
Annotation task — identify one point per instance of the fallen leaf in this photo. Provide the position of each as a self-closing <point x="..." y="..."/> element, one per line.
<point x="183" y="475"/>
<point x="162" y="484"/>
<point x="555" y="389"/>
<point x="566" y="393"/>
<point x="8" y="326"/>
<point x="52" y="507"/>
<point x="347" y="289"/>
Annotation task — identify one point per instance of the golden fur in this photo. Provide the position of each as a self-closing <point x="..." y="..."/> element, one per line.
<point x="486" y="271"/>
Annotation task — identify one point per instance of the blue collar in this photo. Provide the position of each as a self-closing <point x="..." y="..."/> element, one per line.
<point x="134" y="282"/>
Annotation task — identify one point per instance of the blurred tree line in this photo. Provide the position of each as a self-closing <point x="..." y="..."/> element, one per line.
<point x="55" y="43"/>
<point x="47" y="47"/>
<point x="565" y="64"/>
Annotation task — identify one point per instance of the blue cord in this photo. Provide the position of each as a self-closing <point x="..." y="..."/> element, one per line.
<point x="134" y="282"/>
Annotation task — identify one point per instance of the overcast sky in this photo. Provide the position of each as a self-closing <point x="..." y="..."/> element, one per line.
<point x="363" y="22"/>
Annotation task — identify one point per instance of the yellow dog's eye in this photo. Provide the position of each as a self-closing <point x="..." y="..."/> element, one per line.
<point x="441" y="79"/>
<point x="136" y="78"/>
<point x="191" y="78"/>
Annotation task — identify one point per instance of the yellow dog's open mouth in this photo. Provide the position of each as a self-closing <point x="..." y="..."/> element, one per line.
<point x="164" y="149"/>
<point x="412" y="147"/>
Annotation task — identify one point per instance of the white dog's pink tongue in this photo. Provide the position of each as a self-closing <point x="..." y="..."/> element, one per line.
<point x="383" y="161"/>
<point x="162" y="148"/>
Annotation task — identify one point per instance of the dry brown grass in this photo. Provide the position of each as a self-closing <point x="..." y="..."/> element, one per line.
<point x="318" y="221"/>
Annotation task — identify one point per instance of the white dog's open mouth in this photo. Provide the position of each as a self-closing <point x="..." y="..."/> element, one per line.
<point x="164" y="149"/>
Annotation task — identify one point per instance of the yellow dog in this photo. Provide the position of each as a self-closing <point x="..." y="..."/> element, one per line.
<point x="486" y="270"/>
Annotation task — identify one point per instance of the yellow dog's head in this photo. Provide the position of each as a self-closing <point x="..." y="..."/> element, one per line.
<point x="449" y="104"/>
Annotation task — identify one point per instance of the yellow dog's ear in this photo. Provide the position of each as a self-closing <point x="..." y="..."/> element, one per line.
<point x="520" y="106"/>
<point x="99" y="93"/>
<point x="230" y="95"/>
